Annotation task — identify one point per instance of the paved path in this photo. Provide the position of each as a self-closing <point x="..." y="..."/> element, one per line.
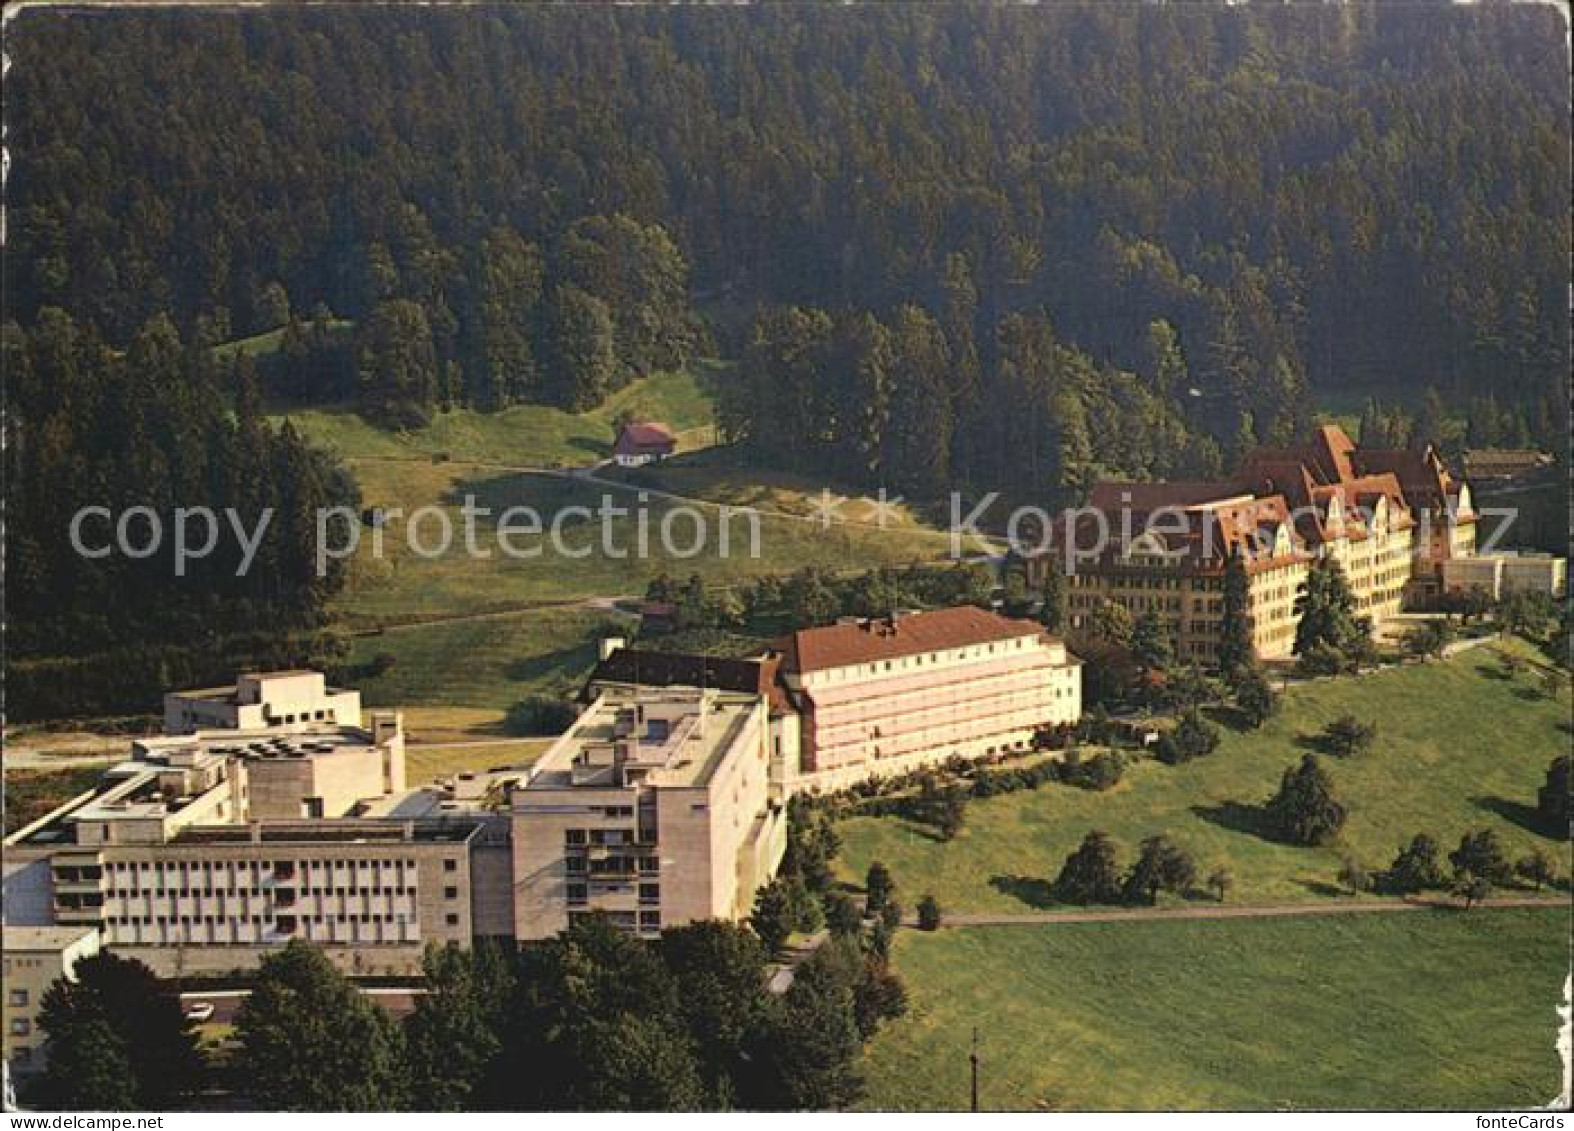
<point x="782" y="976"/>
<point x="1238" y="911"/>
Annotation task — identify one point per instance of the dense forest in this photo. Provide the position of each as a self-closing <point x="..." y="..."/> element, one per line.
<point x="993" y="246"/>
<point x="1374" y="193"/>
<point x="141" y="432"/>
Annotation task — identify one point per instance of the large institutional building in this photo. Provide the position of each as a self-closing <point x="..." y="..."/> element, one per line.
<point x="881" y="696"/>
<point x="654" y="808"/>
<point x="205" y="850"/>
<point x="1393" y="520"/>
<point x="664" y="803"/>
<point x="262" y="700"/>
<point x="35" y="958"/>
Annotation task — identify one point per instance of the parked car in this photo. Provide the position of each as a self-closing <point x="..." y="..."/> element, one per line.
<point x="199" y="1011"/>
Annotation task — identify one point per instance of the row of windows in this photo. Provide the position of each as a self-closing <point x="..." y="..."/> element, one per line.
<point x="121" y="867"/>
<point x="854" y="671"/>
<point x="628" y="920"/>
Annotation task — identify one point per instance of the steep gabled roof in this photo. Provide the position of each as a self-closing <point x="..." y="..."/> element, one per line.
<point x="639" y="437"/>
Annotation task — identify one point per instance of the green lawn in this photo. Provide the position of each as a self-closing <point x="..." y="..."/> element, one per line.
<point x="400" y="584"/>
<point x="529" y="435"/>
<point x="468" y="454"/>
<point x="1460" y="745"/>
<point x="489" y="662"/>
<point x="423" y="765"/>
<point x="732" y="474"/>
<point x="1423" y="1010"/>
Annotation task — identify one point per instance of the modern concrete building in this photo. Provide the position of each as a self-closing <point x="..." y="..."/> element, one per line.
<point x="1497" y="575"/>
<point x="654" y="808"/>
<point x="881" y="696"/>
<point x="1391" y="519"/>
<point x="262" y="699"/>
<point x="34" y="959"/>
<point x="205" y="851"/>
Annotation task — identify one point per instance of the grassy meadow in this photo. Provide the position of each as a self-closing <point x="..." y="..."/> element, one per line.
<point x="495" y="459"/>
<point x="485" y="663"/>
<point x="1462" y="744"/>
<point x="598" y="558"/>
<point x="1419" y="1010"/>
<point x="529" y="435"/>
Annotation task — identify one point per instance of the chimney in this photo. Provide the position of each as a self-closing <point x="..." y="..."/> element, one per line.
<point x="608" y="645"/>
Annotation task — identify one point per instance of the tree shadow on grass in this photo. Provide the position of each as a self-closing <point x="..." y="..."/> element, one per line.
<point x="593" y="447"/>
<point x="1226" y="716"/>
<point x="1515" y="812"/>
<point x="1497" y="672"/>
<point x="1320" y="887"/>
<point x="1031" y="890"/>
<point x="1238" y="817"/>
<point x="529" y="669"/>
<point x="918" y="828"/>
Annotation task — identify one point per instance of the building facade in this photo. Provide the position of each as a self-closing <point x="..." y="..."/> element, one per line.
<point x="259" y="700"/>
<point x="642" y="442"/>
<point x="654" y="808"/>
<point x="1497" y="575"/>
<point x="1391" y="519"/>
<point x="877" y="697"/>
<point x="205" y="851"/>
<point x="34" y="959"/>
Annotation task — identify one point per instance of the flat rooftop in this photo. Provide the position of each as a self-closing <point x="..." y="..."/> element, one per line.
<point x="335" y="830"/>
<point x="130" y="790"/>
<point x="313" y="741"/>
<point x="18" y="940"/>
<point x="676" y="739"/>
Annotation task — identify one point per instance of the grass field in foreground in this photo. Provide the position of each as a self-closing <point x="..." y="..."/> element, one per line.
<point x="486" y="663"/>
<point x="528" y="435"/>
<point x="1415" y="1010"/>
<point x="1460" y="745"/>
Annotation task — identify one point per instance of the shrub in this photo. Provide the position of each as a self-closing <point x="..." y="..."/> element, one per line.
<point x="1347" y="736"/>
<point x="1480" y="853"/>
<point x="1100" y="772"/>
<point x="929" y="914"/>
<point x="1304" y="810"/>
<point x="1416" y="868"/>
<point x="1195" y="737"/>
<point x="539" y="714"/>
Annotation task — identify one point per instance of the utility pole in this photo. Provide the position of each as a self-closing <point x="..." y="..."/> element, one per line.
<point x="973" y="1060"/>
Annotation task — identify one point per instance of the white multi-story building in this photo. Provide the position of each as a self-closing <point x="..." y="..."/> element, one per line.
<point x="205" y="851"/>
<point x="881" y="696"/>
<point x="653" y="808"/>
<point x="262" y="699"/>
<point x="35" y="958"/>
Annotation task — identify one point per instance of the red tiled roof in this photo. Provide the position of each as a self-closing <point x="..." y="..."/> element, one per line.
<point x="1281" y="482"/>
<point x="642" y="437"/>
<point x="865" y="641"/>
<point x="1142" y="497"/>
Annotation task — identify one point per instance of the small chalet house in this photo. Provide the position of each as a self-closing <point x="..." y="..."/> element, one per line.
<point x="642" y="442"/>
